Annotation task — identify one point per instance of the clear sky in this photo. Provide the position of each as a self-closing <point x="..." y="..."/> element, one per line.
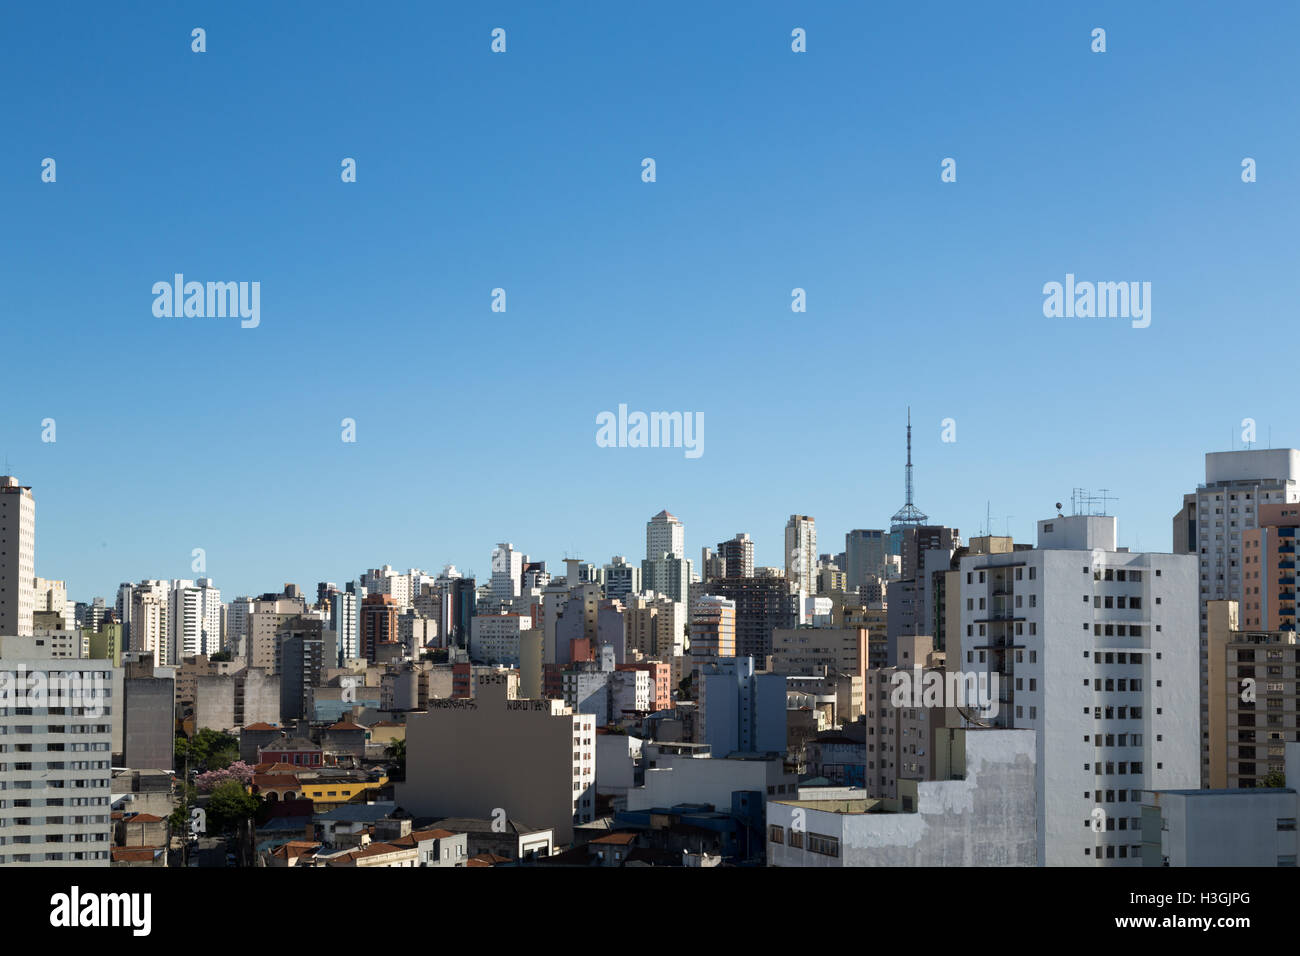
<point x="522" y="171"/>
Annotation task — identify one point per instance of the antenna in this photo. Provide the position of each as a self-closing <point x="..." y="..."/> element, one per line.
<point x="908" y="515"/>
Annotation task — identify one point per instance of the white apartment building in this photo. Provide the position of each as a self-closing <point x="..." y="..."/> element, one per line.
<point x="150" y="608"/>
<point x="1095" y="650"/>
<point x="801" y="553"/>
<point x="397" y="585"/>
<point x="55" y="758"/>
<point x="497" y="755"/>
<point x="507" y="572"/>
<point x="194" y="618"/>
<point x="343" y="616"/>
<point x="494" y="638"/>
<point x="17" y="557"/>
<point x="53" y="596"/>
<point x="664" y="534"/>
<point x="1210" y="524"/>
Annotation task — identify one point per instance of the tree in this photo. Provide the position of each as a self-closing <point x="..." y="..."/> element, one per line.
<point x="238" y="771"/>
<point x="397" y="750"/>
<point x="223" y="656"/>
<point x="207" y="749"/>
<point x="180" y="817"/>
<point x="229" y="804"/>
<point x="1274" y="778"/>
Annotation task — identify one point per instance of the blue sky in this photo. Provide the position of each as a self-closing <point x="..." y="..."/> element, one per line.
<point x="522" y="170"/>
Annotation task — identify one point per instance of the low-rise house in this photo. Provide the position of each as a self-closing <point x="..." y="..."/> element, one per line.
<point x="513" y="841"/>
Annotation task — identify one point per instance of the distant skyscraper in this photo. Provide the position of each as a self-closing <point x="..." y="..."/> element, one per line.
<point x="621" y="578"/>
<point x="507" y="572"/>
<point x="343" y="614"/>
<point x="713" y="627"/>
<point x="1210" y="525"/>
<point x="801" y="553"/>
<point x="17" y="557"/>
<point x="664" y="534"/>
<point x="736" y="557"/>
<point x="864" y="555"/>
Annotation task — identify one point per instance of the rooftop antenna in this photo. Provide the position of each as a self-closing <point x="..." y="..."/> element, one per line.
<point x="908" y="515"/>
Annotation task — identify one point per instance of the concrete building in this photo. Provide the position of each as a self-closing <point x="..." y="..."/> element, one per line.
<point x="1253" y="707"/>
<point x="736" y="557"/>
<point x="1268" y="569"/>
<point x="622" y="579"/>
<point x="495" y="638"/>
<point x="530" y="759"/>
<point x="56" y="810"/>
<point x="655" y="626"/>
<point x="1094" y="649"/>
<point x="17" y="557"/>
<point x="664" y="534"/>
<point x="507" y="572"/>
<point x="801" y="650"/>
<point x="763" y="604"/>
<point x="344" y="622"/>
<point x="1210" y="525"/>
<point x="193" y="618"/>
<point x="1252" y="826"/>
<point x="865" y="555"/>
<point x="801" y="553"/>
<point x="150" y="614"/>
<point x="982" y="813"/>
<point x="740" y="711"/>
<point x="713" y="627"/>
<point x="149" y="715"/>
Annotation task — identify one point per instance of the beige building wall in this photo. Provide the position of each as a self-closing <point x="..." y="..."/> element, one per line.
<point x="532" y="760"/>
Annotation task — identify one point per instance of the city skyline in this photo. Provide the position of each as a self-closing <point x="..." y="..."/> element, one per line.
<point x="478" y="171"/>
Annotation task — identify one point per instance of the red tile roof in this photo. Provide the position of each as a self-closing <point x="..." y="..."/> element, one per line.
<point x="262" y="725"/>
<point x="620" y="839"/>
<point x="134" y="854"/>
<point x="144" y="818"/>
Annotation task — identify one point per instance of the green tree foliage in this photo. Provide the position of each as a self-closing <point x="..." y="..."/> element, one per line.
<point x="228" y="805"/>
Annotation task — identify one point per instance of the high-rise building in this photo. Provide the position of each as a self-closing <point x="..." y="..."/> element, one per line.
<point x="17" y="557"/>
<point x="1268" y="559"/>
<point x="507" y="572"/>
<point x="664" y="534"/>
<point x="48" y="825"/>
<point x="343" y="616"/>
<point x="713" y="627"/>
<point x="1094" y="649"/>
<point x="763" y="603"/>
<point x="740" y="710"/>
<point x="621" y="578"/>
<point x="150" y="610"/>
<point x="801" y="553"/>
<point x="736" y="557"/>
<point x="865" y="553"/>
<point x="378" y="623"/>
<point x="194" y="618"/>
<point x="1210" y="525"/>
<point x="1254" y="698"/>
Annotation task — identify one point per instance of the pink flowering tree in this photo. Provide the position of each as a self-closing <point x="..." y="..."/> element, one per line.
<point x="238" y="771"/>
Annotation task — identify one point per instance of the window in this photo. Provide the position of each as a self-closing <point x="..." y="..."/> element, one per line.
<point x="825" y="845"/>
<point x="775" y="834"/>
